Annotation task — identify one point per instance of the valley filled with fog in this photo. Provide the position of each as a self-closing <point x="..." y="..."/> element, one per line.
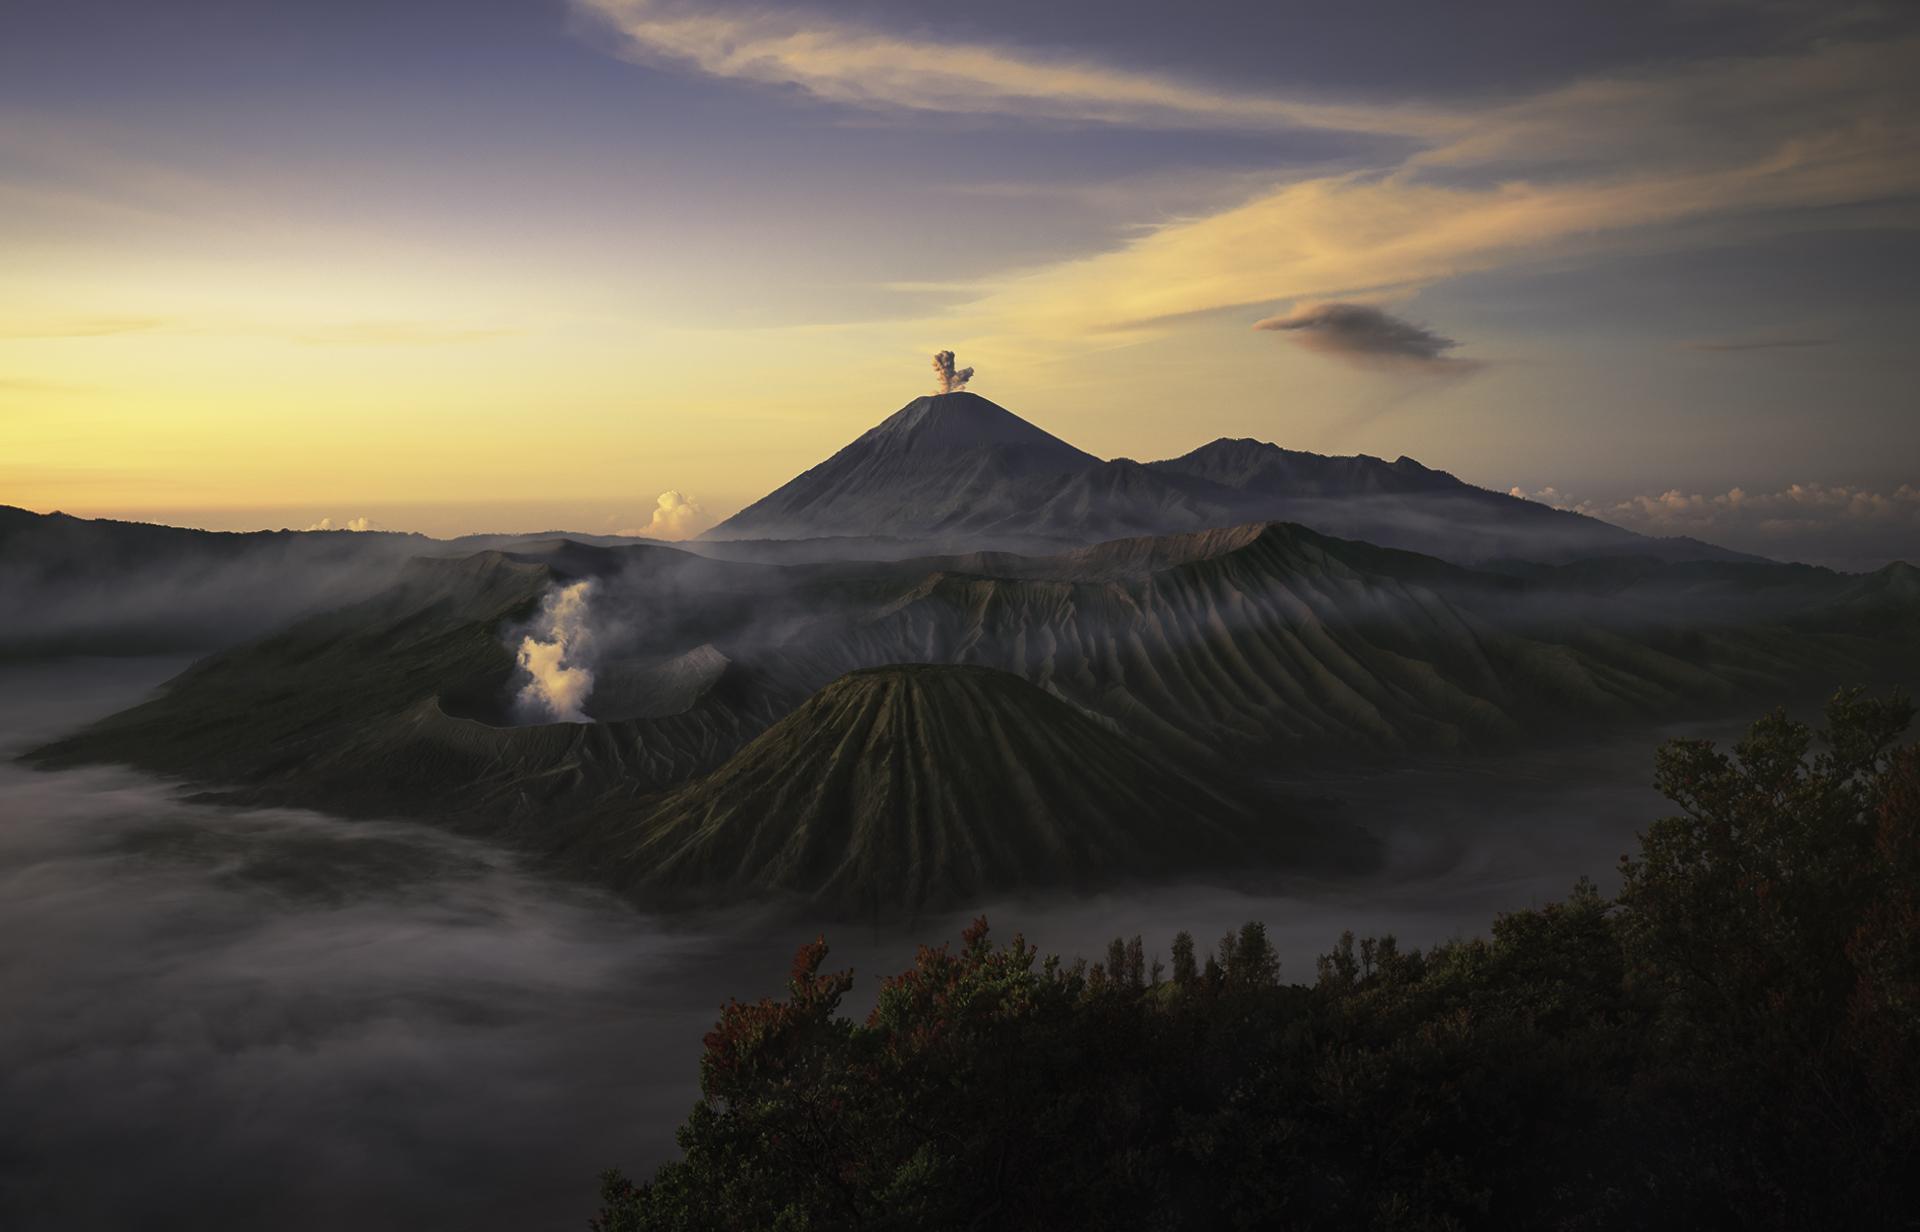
<point x="271" y="1017"/>
<point x="410" y="898"/>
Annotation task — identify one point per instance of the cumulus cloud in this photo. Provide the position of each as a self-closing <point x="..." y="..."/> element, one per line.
<point x="676" y="515"/>
<point x="1840" y="524"/>
<point x="352" y="524"/>
<point x="1548" y="495"/>
<point x="1795" y="503"/>
<point x="1370" y="337"/>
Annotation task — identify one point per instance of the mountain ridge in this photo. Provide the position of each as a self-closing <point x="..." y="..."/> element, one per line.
<point x="1223" y="650"/>
<point x="924" y="786"/>
<point x="959" y="471"/>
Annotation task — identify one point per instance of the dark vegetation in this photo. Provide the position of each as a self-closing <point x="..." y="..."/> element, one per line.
<point x="1732" y="1041"/>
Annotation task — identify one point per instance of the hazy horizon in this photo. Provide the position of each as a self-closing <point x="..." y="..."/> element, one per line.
<point x="1842" y="528"/>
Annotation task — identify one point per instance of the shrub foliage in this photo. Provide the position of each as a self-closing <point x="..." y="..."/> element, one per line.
<point x="1732" y="1041"/>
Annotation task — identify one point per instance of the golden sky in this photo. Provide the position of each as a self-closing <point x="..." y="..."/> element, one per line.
<point x="455" y="276"/>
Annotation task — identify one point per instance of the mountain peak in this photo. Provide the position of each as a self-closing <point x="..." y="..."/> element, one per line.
<point x="955" y="472"/>
<point x="960" y="421"/>
<point x="931" y="467"/>
<point x="1248" y="465"/>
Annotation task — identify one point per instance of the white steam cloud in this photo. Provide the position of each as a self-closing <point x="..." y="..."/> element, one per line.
<point x="946" y="379"/>
<point x="556" y="658"/>
<point x="676" y="515"/>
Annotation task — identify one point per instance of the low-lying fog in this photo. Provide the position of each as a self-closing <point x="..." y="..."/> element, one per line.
<point x="246" y="1018"/>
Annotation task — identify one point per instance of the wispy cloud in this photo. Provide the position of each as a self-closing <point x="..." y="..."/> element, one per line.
<point x="862" y="66"/>
<point x="379" y="333"/>
<point x="1403" y="228"/>
<point x="397" y="333"/>
<point x="1759" y="344"/>
<point x="1576" y="167"/>
<point x="59" y="167"/>
<point x="25" y="385"/>
<point x="81" y="327"/>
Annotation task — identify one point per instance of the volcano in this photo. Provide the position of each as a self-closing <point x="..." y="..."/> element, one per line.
<point x="958" y="472"/>
<point x="942" y="467"/>
<point x="918" y="786"/>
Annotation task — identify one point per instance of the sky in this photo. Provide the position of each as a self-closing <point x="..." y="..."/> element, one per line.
<point x="629" y="264"/>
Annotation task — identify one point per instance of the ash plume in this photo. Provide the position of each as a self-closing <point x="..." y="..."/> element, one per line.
<point x="556" y="659"/>
<point x="946" y="379"/>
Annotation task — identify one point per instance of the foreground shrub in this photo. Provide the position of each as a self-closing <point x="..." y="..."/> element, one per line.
<point x="1731" y="1042"/>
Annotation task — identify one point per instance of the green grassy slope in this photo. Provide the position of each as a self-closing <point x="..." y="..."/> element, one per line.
<point x="927" y="786"/>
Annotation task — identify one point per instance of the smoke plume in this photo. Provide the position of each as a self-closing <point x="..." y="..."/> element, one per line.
<point x="946" y="379"/>
<point x="556" y="657"/>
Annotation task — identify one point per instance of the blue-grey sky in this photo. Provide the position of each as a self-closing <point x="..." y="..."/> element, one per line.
<point x="454" y="265"/>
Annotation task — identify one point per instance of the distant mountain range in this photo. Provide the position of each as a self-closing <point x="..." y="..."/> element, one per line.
<point x="948" y="473"/>
<point x="956" y="470"/>
<point x="73" y="585"/>
<point x="79" y="585"/>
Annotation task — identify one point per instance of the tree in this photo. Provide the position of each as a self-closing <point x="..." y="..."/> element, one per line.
<point x="1185" y="971"/>
<point x="1772" y="924"/>
<point x="1247" y="958"/>
<point x="1733" y="1041"/>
